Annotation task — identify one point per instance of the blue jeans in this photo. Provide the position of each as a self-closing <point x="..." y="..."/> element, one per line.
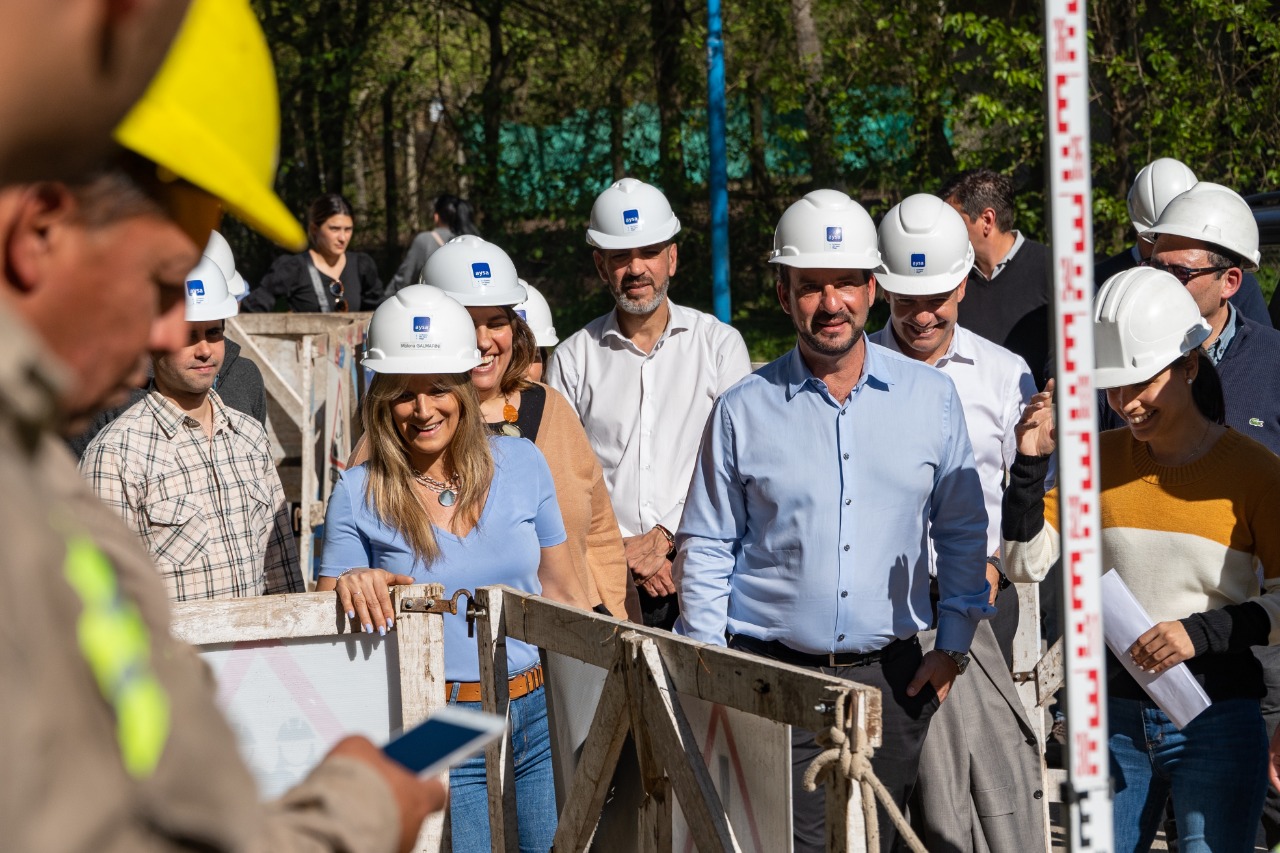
<point x="1215" y="769"/>
<point x="535" y="784"/>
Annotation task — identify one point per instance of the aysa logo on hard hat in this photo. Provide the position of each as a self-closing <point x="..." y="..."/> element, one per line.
<point x="481" y="273"/>
<point x="835" y="236"/>
<point x="524" y="315"/>
<point x="917" y="263"/>
<point x="195" y="290"/>
<point x="421" y="327"/>
<point x="631" y="219"/>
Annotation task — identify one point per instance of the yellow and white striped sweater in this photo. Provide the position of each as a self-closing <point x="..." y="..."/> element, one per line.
<point x="1189" y="541"/>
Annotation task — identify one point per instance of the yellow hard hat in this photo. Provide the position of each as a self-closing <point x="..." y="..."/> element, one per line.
<point x="212" y="116"/>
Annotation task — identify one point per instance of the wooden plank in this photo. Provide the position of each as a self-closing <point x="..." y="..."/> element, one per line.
<point x="499" y="761"/>
<point x="654" y="823"/>
<point x="421" y="645"/>
<point x="267" y="617"/>
<point x="296" y="324"/>
<point x="1049" y="674"/>
<point x="844" y="816"/>
<point x="591" y="780"/>
<point x="306" y="543"/>
<point x="780" y="692"/>
<point x="673" y="740"/>
<point x="275" y="382"/>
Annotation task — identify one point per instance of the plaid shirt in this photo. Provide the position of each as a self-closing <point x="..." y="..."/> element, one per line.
<point x="211" y="511"/>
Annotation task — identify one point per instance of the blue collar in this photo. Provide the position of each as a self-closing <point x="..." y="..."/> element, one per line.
<point x="877" y="373"/>
<point x="1218" y="348"/>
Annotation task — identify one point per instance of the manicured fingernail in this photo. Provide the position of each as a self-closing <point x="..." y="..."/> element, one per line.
<point x="351" y="614"/>
<point x="390" y="623"/>
<point x="368" y="629"/>
<point x="382" y="630"/>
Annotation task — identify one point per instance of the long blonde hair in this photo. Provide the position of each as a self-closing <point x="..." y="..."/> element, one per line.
<point x="390" y="490"/>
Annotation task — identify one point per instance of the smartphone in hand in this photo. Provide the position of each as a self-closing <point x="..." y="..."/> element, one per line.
<point x="449" y="736"/>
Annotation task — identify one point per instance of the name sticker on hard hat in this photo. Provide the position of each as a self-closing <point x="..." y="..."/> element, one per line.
<point x="195" y="290"/>
<point x="835" y="236"/>
<point x="631" y="219"/>
<point x="481" y="273"/>
<point x="917" y="263"/>
<point x="421" y="327"/>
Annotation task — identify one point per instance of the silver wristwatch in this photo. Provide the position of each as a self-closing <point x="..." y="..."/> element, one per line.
<point x="961" y="659"/>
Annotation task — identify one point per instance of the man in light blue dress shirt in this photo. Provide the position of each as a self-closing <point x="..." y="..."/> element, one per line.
<point x="821" y="477"/>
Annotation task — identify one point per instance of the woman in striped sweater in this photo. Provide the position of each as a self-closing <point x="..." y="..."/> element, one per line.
<point x="1188" y="511"/>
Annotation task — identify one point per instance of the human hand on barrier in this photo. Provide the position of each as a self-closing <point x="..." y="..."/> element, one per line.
<point x="1163" y="646"/>
<point x="936" y="669"/>
<point x="415" y="798"/>
<point x="365" y="597"/>
<point x="1036" y="433"/>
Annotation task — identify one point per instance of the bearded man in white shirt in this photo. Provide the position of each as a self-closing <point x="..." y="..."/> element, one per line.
<point x="966" y="801"/>
<point x="642" y="379"/>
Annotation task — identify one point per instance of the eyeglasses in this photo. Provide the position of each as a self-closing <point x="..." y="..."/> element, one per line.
<point x="1181" y="273"/>
<point x="339" y="292"/>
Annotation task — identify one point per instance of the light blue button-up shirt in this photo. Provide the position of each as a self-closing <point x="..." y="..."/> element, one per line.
<point x="807" y="519"/>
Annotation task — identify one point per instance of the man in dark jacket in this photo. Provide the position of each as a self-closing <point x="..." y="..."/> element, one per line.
<point x="1008" y="299"/>
<point x="1158" y="183"/>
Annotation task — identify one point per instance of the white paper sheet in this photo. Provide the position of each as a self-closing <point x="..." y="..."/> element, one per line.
<point x="1124" y="620"/>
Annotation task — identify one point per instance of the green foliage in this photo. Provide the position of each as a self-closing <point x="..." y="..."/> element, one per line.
<point x="904" y="92"/>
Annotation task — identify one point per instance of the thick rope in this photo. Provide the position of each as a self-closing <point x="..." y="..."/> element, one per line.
<point x="838" y="757"/>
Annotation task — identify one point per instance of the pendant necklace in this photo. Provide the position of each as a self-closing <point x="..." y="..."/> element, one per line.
<point x="509" y="416"/>
<point x="446" y="492"/>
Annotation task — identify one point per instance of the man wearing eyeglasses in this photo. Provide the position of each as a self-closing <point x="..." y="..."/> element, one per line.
<point x="1207" y="238"/>
<point x="1158" y="183"/>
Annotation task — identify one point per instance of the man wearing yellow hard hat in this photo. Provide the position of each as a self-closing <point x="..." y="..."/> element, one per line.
<point x="112" y="740"/>
<point x="69" y="69"/>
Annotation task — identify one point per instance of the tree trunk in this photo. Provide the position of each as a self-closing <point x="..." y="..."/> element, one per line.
<point x="491" y="102"/>
<point x="391" y="187"/>
<point x="757" y="151"/>
<point x="823" y="169"/>
<point x="617" y="131"/>
<point x="667" y="19"/>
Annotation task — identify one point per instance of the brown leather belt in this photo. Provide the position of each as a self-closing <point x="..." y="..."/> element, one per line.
<point x="517" y="686"/>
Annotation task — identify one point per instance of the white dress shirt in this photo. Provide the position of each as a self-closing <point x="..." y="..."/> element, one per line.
<point x="995" y="385"/>
<point x="644" y="412"/>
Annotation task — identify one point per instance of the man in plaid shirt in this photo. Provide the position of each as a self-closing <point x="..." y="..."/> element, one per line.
<point x="194" y="478"/>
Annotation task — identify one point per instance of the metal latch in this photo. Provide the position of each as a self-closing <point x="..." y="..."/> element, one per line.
<point x="445" y="605"/>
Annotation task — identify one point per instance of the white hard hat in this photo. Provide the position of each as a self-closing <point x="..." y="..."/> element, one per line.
<point x="631" y="214"/>
<point x="1159" y="182"/>
<point x="537" y="313"/>
<point x="207" y="295"/>
<point x="219" y="251"/>
<point x="1143" y="321"/>
<point x="1212" y="213"/>
<point x="475" y="272"/>
<point x="925" y="246"/>
<point x="421" y="329"/>
<point x="826" y="230"/>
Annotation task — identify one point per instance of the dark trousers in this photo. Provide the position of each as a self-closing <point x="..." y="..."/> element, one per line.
<point x="896" y="761"/>
<point x="659" y="611"/>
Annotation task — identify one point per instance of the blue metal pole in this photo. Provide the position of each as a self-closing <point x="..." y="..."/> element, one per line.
<point x="719" y="167"/>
